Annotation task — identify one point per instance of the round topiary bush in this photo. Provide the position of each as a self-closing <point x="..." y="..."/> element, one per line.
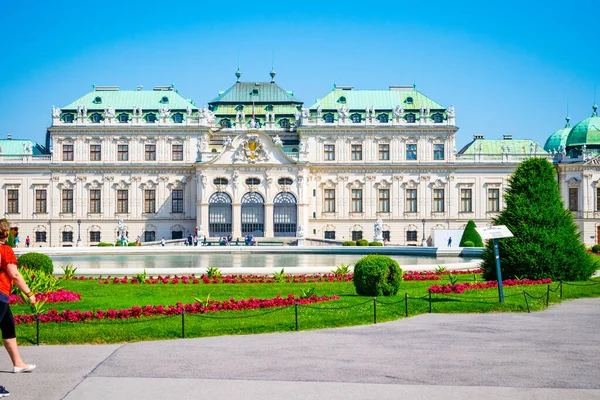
<point x="375" y="244"/>
<point x="362" y="242"/>
<point x="596" y="248"/>
<point x="376" y="275"/>
<point x="36" y="262"/>
<point x="468" y="243"/>
<point x="349" y="243"/>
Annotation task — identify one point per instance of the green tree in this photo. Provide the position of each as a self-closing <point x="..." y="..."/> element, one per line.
<point x="471" y="235"/>
<point x="546" y="243"/>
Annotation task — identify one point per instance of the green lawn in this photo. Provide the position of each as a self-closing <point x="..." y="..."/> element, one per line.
<point x="350" y="310"/>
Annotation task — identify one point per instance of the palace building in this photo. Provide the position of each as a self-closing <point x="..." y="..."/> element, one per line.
<point x="258" y="160"/>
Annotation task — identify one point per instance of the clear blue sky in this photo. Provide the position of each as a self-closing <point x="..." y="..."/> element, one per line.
<point x="507" y="68"/>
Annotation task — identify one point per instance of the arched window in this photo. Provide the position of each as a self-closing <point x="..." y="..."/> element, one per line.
<point x="410" y="118"/>
<point x="220" y="181"/>
<point x="383" y="118"/>
<point x="409" y="100"/>
<point x="219" y="214"/>
<point x="178" y="118"/>
<point x="285" y="214"/>
<point x="97" y="100"/>
<point x="96" y="118"/>
<point x="225" y="123"/>
<point x="151" y="118"/>
<point x="328" y="118"/>
<point x="285" y="181"/>
<point x="355" y="118"/>
<point x="253" y="214"/>
<point x="239" y="107"/>
<point x="342" y="100"/>
<point x="123" y="118"/>
<point x="252" y="181"/>
<point x="164" y="100"/>
<point x="437" y="118"/>
<point x="284" y="123"/>
<point x="269" y="108"/>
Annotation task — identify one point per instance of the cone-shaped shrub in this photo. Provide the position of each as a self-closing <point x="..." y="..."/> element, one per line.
<point x="471" y="235"/>
<point x="376" y="275"/>
<point x="546" y="243"/>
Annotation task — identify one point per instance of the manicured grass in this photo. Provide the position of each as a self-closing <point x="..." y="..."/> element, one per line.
<point x="351" y="309"/>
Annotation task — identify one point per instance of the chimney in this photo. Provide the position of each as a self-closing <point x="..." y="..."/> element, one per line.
<point x="479" y="136"/>
<point x="507" y="137"/>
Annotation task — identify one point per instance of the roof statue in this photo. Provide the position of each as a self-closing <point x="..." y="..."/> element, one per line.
<point x="277" y="141"/>
<point x="55" y="112"/>
<point x="109" y="112"/>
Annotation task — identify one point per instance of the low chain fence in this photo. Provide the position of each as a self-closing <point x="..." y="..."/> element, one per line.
<point x="375" y="302"/>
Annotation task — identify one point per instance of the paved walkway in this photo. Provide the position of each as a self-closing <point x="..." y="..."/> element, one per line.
<point x="553" y="354"/>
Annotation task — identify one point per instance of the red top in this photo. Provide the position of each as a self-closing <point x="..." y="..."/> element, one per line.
<point x="7" y="256"/>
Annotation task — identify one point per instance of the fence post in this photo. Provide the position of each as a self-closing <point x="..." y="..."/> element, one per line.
<point x="429" y="302"/>
<point x="374" y="310"/>
<point x="37" y="329"/>
<point x="406" y="304"/>
<point x="526" y="301"/>
<point x="560" y="288"/>
<point x="182" y="323"/>
<point x="296" y="306"/>
<point x="548" y="296"/>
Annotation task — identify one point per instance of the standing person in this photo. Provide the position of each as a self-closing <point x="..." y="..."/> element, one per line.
<point x="195" y="240"/>
<point x="9" y="274"/>
<point x="450" y="241"/>
<point x="27" y="241"/>
<point x="137" y="241"/>
<point x="162" y="241"/>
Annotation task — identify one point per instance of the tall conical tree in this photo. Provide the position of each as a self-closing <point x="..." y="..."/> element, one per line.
<point x="471" y="235"/>
<point x="546" y="243"/>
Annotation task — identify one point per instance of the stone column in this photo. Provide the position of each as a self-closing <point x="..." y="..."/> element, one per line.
<point x="236" y="220"/>
<point x="269" y="220"/>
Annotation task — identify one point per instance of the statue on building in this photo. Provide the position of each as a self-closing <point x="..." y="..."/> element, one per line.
<point x="450" y="111"/>
<point x="228" y="142"/>
<point x="188" y="110"/>
<point x="305" y="113"/>
<point x="27" y="148"/>
<point x="109" y="112"/>
<point x="303" y="145"/>
<point x="300" y="233"/>
<point x="319" y="111"/>
<point x="398" y="113"/>
<point x="343" y="112"/>
<point x="55" y="112"/>
<point x="164" y="112"/>
<point x="277" y="141"/>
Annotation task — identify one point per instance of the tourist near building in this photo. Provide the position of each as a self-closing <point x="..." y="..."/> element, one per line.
<point x="257" y="160"/>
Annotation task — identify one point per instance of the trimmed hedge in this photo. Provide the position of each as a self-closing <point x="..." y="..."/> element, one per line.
<point x="596" y="248"/>
<point x="362" y="242"/>
<point x="471" y="235"/>
<point x="104" y="244"/>
<point x="468" y="243"/>
<point x="376" y="275"/>
<point x="36" y="262"/>
<point x="349" y="243"/>
<point x="375" y="244"/>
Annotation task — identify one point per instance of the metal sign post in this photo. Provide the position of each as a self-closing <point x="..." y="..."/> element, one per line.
<point x="495" y="233"/>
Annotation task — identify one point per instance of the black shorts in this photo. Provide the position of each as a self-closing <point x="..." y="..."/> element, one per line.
<point x="7" y="322"/>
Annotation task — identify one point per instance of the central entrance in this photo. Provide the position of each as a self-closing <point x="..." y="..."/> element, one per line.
<point x="253" y="214"/>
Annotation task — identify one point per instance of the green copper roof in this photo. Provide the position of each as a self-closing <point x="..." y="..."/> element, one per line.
<point x="126" y="99"/>
<point x="558" y="140"/>
<point x="264" y="93"/>
<point x="586" y="132"/>
<point x="14" y="147"/>
<point x="380" y="99"/>
<point x="494" y="146"/>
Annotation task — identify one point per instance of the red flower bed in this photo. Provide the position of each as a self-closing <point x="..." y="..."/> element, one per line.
<point x="149" y="311"/>
<point x="435" y="275"/>
<point x="461" y="287"/>
<point x="59" y="296"/>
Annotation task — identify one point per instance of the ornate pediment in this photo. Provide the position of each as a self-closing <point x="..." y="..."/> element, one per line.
<point x="593" y="161"/>
<point x="251" y="150"/>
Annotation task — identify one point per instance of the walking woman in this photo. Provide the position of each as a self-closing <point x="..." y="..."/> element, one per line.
<point x="9" y="274"/>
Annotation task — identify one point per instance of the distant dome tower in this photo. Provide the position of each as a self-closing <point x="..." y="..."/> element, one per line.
<point x="586" y="132"/>
<point x="558" y="140"/>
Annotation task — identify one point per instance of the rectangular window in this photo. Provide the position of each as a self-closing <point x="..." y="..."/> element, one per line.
<point x="95" y="152"/>
<point x="12" y="201"/>
<point x="411" y="236"/>
<point x="329" y="200"/>
<point x="598" y="199"/>
<point x="386" y="236"/>
<point x="357" y="203"/>
<point x="40" y="237"/>
<point x="177" y="152"/>
<point x="438" y="200"/>
<point x="356" y="152"/>
<point x="67" y="152"/>
<point x="411" y="200"/>
<point x="94" y="236"/>
<point x="356" y="235"/>
<point x="493" y="200"/>
<point x="150" y="152"/>
<point x="40" y="201"/>
<point x="67" y="236"/>
<point x="176" y="234"/>
<point x="149" y="236"/>
<point x="150" y="201"/>
<point x="384" y="152"/>
<point x="67" y="200"/>
<point x="95" y="201"/>
<point x="330" y="235"/>
<point x="123" y="152"/>
<point x="573" y="199"/>
<point x="438" y="151"/>
<point x="411" y="151"/>
<point x="177" y="201"/>
<point x="466" y="200"/>
<point x="384" y="200"/>
<point x="329" y="150"/>
<point x="122" y="201"/>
